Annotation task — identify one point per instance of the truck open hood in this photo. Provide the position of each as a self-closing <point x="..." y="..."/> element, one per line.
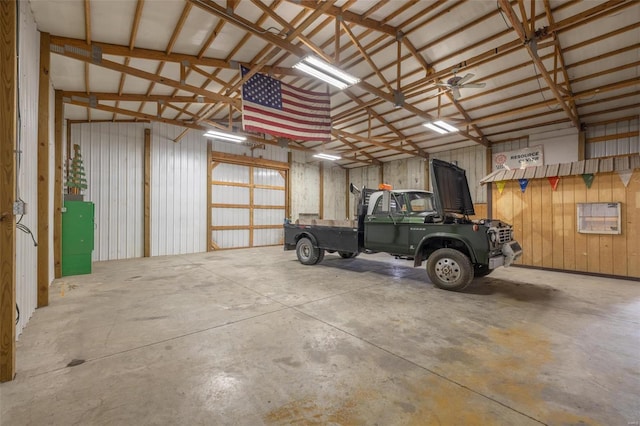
<point x="450" y="188"/>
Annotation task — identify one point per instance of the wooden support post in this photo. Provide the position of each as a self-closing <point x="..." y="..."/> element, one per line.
<point x="288" y="186"/>
<point x="8" y="79"/>
<point x="147" y="192"/>
<point x="380" y="174"/>
<point x="321" y="209"/>
<point x="347" y="195"/>
<point x="57" y="186"/>
<point x="209" y="179"/>
<point x="43" y="173"/>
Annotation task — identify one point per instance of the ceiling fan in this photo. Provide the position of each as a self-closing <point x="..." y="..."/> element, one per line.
<point x="455" y="83"/>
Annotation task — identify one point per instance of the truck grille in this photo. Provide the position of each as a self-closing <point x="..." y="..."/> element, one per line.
<point x="504" y="235"/>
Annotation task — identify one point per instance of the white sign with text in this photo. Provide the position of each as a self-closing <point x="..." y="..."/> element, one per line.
<point x="520" y="159"/>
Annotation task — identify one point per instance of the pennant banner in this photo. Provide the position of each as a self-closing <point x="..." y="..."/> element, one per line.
<point x="500" y="184"/>
<point x="588" y="179"/>
<point x="523" y="184"/>
<point x="553" y="180"/>
<point x="625" y="176"/>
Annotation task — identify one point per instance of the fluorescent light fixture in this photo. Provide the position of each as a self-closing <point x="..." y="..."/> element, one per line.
<point x="224" y="136"/>
<point x="446" y="126"/>
<point x="325" y="72"/>
<point x="327" y="156"/>
<point x="441" y="127"/>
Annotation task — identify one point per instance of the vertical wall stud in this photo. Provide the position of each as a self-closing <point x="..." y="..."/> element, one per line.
<point x="209" y="179"/>
<point x="321" y="209"/>
<point x="8" y="78"/>
<point x="43" y="173"/>
<point x="57" y="187"/>
<point x="347" y="196"/>
<point x="147" y="192"/>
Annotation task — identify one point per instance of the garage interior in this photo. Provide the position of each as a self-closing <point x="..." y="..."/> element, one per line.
<point x="191" y="312"/>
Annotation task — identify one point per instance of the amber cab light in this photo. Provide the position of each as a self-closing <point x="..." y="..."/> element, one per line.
<point x="385" y="187"/>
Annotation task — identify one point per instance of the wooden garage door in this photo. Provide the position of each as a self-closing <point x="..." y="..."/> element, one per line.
<point x="248" y="205"/>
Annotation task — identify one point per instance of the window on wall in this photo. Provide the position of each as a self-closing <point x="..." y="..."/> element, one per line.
<point x="599" y="218"/>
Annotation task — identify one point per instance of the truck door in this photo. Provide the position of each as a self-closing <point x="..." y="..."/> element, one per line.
<point x="387" y="230"/>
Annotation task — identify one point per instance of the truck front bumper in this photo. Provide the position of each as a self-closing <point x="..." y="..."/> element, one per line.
<point x="511" y="252"/>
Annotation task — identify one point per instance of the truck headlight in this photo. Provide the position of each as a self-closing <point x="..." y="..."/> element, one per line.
<point x="492" y="236"/>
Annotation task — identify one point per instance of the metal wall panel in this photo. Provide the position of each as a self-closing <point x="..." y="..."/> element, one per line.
<point x="510" y="146"/>
<point x="27" y="163"/>
<point x="178" y="191"/>
<point x="267" y="237"/>
<point x="269" y="152"/>
<point x="629" y="144"/>
<point x="113" y="158"/>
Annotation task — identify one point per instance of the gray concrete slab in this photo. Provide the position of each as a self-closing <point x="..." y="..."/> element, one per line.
<point x="253" y="337"/>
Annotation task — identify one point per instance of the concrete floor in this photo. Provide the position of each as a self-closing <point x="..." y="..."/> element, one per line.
<point x="252" y="337"/>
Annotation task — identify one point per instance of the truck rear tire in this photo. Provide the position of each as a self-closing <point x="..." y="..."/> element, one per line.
<point x="449" y="269"/>
<point x="307" y="253"/>
<point x="347" y="254"/>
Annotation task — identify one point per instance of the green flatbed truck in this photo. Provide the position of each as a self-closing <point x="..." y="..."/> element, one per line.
<point x="415" y="225"/>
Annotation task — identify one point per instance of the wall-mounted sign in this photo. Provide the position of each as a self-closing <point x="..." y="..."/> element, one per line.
<point x="520" y="159"/>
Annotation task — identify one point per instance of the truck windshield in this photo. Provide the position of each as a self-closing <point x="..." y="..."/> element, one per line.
<point x="420" y="201"/>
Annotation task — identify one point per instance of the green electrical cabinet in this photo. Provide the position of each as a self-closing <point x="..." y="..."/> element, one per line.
<point x="77" y="237"/>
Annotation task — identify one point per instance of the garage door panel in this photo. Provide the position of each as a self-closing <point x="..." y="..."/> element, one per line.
<point x="267" y="177"/>
<point x="268" y="197"/>
<point x="267" y="237"/>
<point x="249" y="200"/>
<point x="223" y="194"/>
<point x="221" y="216"/>
<point x="231" y="173"/>
<point x="230" y="238"/>
<point x="268" y="216"/>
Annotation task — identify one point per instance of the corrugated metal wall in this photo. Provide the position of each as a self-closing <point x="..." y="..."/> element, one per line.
<point x="511" y="145"/>
<point x="27" y="164"/>
<point x="178" y="191"/>
<point x="600" y="145"/>
<point x="113" y="157"/>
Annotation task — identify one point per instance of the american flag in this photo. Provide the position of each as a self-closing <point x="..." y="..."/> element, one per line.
<point x="270" y="106"/>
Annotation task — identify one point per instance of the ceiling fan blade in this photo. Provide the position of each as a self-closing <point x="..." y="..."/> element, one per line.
<point x="473" y="85"/>
<point x="467" y="77"/>
<point x="456" y="93"/>
<point x="443" y="85"/>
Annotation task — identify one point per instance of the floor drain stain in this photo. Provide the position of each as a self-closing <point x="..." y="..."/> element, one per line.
<point x="75" y="362"/>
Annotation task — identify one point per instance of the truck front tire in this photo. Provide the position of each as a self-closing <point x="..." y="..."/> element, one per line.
<point x="449" y="269"/>
<point x="307" y="253"/>
<point x="347" y="254"/>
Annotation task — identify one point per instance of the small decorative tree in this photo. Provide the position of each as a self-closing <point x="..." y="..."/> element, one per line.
<point x="76" y="181"/>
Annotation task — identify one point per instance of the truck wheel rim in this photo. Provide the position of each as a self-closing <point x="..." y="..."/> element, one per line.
<point x="305" y="251"/>
<point x="448" y="270"/>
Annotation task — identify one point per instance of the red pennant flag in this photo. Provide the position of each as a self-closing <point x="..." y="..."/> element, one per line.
<point x="553" y="180"/>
